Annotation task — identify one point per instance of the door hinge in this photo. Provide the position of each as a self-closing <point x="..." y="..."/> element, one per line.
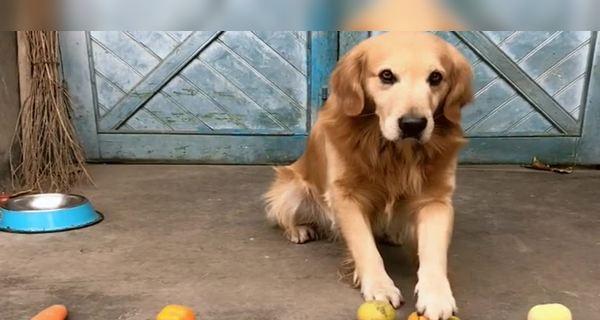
<point x="324" y="93"/>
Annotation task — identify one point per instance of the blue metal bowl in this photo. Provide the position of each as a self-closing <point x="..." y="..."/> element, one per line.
<point x="48" y="212"/>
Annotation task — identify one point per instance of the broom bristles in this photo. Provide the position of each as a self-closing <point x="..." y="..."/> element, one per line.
<point x="50" y="159"/>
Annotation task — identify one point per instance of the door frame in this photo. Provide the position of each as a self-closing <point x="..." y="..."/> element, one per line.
<point x="588" y="149"/>
<point x="247" y="148"/>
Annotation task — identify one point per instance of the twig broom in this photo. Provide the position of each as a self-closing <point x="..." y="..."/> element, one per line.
<point x="48" y="156"/>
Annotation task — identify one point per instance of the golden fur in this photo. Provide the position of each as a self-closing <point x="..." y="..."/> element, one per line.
<point x="356" y="163"/>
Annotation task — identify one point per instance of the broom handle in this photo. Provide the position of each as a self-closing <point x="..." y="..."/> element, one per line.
<point x="24" y="67"/>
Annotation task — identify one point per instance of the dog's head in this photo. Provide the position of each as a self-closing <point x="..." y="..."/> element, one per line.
<point x="407" y="80"/>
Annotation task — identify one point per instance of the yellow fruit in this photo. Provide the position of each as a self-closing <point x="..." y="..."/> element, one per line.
<point x="176" y="312"/>
<point x="415" y="316"/>
<point x="553" y="311"/>
<point x="376" y="310"/>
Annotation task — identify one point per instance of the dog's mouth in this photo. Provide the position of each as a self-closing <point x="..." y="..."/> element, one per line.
<point x="412" y="139"/>
<point x="415" y="141"/>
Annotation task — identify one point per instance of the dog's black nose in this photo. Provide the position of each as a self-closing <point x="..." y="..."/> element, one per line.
<point x="412" y="127"/>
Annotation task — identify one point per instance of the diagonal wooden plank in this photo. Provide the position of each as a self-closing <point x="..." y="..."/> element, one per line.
<point x="264" y="60"/>
<point x="157" y="79"/>
<point x="286" y="45"/>
<point x="526" y="86"/>
<point x="256" y="87"/>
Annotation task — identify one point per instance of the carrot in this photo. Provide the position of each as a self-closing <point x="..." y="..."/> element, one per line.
<point x="55" y="312"/>
<point x="4" y="198"/>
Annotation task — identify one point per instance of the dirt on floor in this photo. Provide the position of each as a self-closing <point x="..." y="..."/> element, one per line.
<point x="196" y="235"/>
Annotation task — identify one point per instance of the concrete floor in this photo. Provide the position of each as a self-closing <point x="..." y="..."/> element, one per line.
<point x="195" y="235"/>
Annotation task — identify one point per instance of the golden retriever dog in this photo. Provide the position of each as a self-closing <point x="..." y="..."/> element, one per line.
<point x="380" y="163"/>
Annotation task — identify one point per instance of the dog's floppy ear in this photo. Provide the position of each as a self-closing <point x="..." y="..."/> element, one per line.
<point x="346" y="83"/>
<point x="461" y="90"/>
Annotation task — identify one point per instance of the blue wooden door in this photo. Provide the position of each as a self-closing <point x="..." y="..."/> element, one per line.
<point x="204" y="96"/>
<point x="536" y="95"/>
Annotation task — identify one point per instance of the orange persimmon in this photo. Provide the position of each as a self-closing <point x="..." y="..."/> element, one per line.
<point x="176" y="312"/>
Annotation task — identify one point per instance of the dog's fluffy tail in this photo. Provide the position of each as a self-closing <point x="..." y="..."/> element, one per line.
<point x="285" y="197"/>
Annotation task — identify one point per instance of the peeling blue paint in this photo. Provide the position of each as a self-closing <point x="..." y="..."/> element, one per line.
<point x="239" y="97"/>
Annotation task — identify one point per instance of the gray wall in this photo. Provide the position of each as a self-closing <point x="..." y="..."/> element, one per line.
<point x="9" y="100"/>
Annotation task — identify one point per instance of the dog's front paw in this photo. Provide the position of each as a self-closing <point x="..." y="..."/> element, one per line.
<point x="301" y="234"/>
<point x="381" y="288"/>
<point x="435" y="299"/>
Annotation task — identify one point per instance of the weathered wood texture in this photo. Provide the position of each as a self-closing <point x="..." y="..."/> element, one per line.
<point x="242" y="87"/>
<point x="9" y="103"/>
<point x="535" y="91"/>
<point x="201" y="81"/>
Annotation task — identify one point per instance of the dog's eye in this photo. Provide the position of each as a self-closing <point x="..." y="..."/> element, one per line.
<point x="387" y="76"/>
<point x="435" y="78"/>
